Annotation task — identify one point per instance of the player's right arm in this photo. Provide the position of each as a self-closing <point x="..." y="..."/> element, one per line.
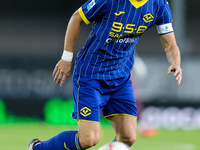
<point x="63" y="67"/>
<point x="89" y="11"/>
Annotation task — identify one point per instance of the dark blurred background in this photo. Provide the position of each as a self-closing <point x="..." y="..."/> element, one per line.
<point x="31" y="43"/>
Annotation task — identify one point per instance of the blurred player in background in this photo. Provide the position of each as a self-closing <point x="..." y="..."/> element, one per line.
<point x="101" y="77"/>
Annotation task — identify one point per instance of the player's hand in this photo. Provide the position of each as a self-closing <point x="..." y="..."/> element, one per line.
<point x="61" y="71"/>
<point x="177" y="72"/>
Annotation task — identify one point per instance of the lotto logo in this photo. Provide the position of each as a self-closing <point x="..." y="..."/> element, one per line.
<point x="121" y="12"/>
<point x="85" y="111"/>
<point x="148" y="18"/>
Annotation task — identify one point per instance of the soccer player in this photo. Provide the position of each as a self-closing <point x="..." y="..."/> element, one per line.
<point x="101" y="77"/>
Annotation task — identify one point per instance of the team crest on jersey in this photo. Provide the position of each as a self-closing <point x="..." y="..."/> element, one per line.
<point x="85" y="111"/>
<point x="148" y="18"/>
<point x="90" y="5"/>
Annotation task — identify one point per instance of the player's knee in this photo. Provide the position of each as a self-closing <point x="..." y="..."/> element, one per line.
<point x="89" y="141"/>
<point x="129" y="140"/>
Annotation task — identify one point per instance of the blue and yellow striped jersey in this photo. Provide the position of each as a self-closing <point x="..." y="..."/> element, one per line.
<point x="117" y="27"/>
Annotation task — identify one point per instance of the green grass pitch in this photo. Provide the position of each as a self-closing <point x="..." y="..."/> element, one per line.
<point x="16" y="137"/>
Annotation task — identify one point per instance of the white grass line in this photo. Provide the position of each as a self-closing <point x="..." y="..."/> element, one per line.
<point x="189" y="147"/>
<point x="168" y="146"/>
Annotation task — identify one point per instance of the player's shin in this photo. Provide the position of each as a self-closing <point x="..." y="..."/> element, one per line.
<point x="66" y="140"/>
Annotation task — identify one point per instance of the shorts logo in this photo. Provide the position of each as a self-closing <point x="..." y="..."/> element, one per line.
<point x="90" y="5"/>
<point x="85" y="111"/>
<point x="148" y="18"/>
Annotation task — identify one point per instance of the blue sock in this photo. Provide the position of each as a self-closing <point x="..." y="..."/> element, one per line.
<point x="66" y="140"/>
<point x="115" y="139"/>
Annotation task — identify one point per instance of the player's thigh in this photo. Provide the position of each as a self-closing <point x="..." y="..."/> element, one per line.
<point x="89" y="133"/>
<point x="125" y="127"/>
<point x="121" y="102"/>
<point x="87" y="99"/>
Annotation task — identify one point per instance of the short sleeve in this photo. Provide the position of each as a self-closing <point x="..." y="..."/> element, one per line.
<point x="164" y="19"/>
<point x="92" y="10"/>
<point x="164" y="15"/>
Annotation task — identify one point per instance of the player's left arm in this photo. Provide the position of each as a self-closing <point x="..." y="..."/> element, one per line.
<point x="173" y="55"/>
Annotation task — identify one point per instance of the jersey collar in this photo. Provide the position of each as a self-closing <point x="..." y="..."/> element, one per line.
<point x="138" y="4"/>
